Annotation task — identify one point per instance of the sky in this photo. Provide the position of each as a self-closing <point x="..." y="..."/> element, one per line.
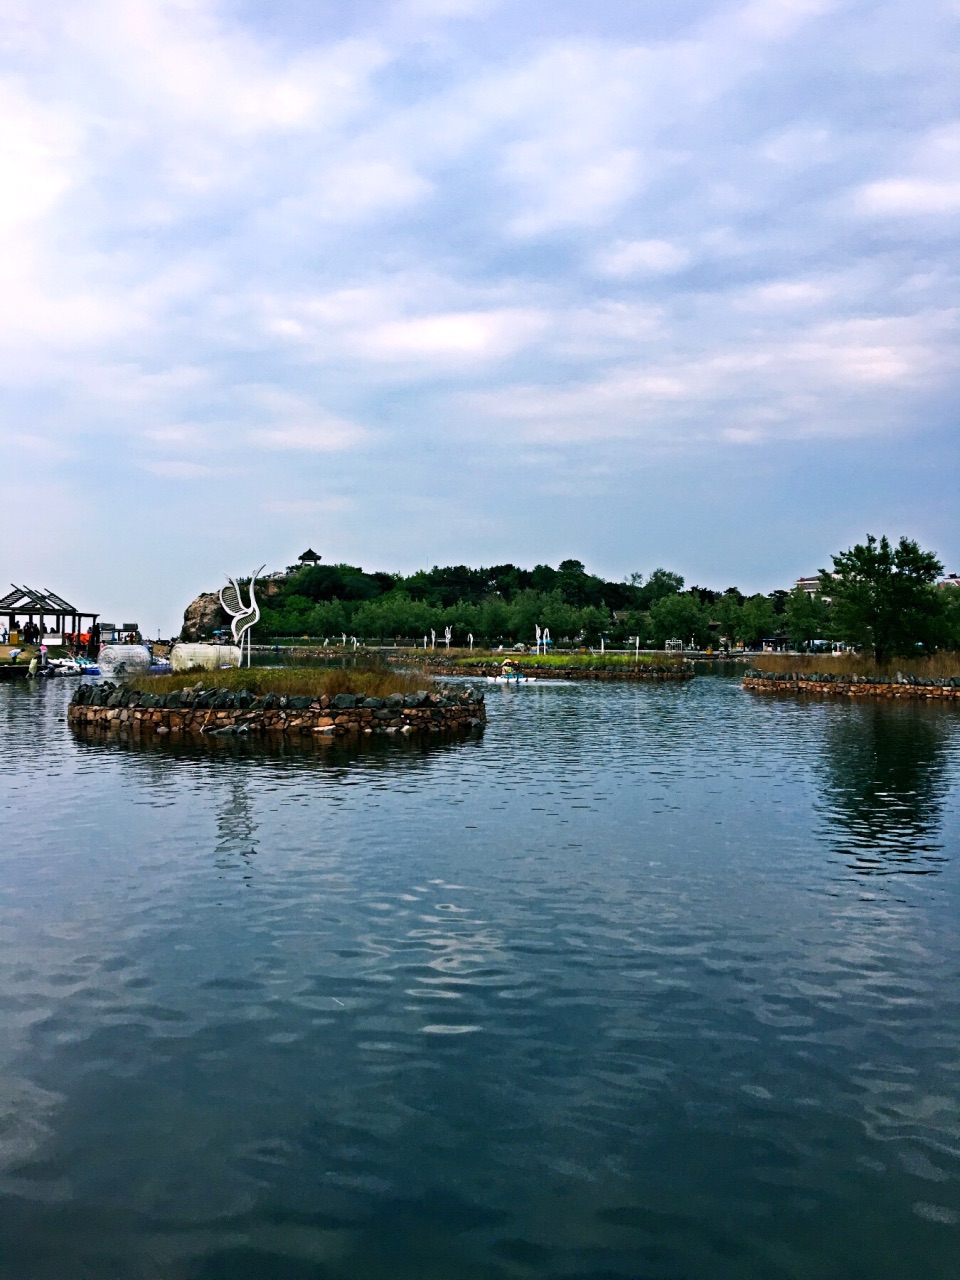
<point x="457" y="281"/>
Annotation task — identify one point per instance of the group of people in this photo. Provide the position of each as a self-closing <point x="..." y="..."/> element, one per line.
<point x="83" y="644"/>
<point x="32" y="632"/>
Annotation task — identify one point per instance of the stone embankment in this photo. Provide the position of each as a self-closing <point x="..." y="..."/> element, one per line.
<point x="849" y="686"/>
<point x="220" y="711"/>
<point x="481" y="670"/>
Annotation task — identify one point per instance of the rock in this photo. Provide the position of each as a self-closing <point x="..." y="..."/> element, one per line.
<point x="202" y="617"/>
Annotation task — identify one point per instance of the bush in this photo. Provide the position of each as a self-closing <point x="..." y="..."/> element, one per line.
<point x="370" y="682"/>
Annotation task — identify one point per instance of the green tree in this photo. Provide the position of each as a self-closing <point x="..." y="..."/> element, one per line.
<point x="951" y="617"/>
<point x="660" y="584"/>
<point x="593" y="622"/>
<point x="679" y="617"/>
<point x="728" y="613"/>
<point x="494" y="620"/>
<point x="759" y="619"/>
<point x="806" y="616"/>
<point x="884" y="598"/>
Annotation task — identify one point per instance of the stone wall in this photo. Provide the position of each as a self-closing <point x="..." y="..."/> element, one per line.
<point x="846" y="686"/>
<point x="219" y="711"/>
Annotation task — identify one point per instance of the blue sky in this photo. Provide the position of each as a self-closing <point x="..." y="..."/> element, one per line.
<point x="456" y="280"/>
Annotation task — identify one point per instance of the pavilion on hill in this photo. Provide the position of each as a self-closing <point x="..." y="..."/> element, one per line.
<point x="309" y="557"/>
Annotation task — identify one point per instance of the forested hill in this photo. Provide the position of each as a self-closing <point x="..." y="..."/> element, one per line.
<point x="505" y="604"/>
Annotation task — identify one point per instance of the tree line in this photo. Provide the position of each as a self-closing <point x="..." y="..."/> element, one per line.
<point x="875" y="595"/>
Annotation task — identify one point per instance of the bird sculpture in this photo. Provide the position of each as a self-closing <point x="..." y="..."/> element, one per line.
<point x="243" y="617"/>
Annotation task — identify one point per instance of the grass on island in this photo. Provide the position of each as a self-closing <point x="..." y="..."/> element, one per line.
<point x="593" y="661"/>
<point x="371" y="682"/>
<point x="938" y="666"/>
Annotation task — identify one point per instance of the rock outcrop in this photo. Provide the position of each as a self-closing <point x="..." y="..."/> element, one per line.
<point x="202" y="617"/>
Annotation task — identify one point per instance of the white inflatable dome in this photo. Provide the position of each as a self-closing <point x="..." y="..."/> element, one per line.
<point x="205" y="657"/>
<point x="123" y="660"/>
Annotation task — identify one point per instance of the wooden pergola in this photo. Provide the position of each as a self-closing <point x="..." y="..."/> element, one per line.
<point x="28" y="604"/>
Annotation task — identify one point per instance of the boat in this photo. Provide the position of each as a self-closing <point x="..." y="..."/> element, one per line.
<point x="511" y="673"/>
<point x="64" y="667"/>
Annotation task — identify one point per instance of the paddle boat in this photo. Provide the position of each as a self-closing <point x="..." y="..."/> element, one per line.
<point x="510" y="673"/>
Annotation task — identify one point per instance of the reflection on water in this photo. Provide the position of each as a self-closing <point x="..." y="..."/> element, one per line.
<point x="885" y="773"/>
<point x="236" y="822"/>
<point x="589" y="996"/>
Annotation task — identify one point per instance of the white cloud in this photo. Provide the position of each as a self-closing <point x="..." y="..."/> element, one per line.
<point x="785" y="295"/>
<point x="178" y="469"/>
<point x="469" y="335"/>
<point x="642" y="257"/>
<point x="38" y="158"/>
<point x="779" y="19"/>
<point x="825" y="381"/>
<point x="911" y="197"/>
<point x="321" y="434"/>
<point x="181" y="61"/>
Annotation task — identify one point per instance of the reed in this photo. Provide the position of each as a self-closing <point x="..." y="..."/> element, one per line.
<point x="593" y="661"/>
<point x="937" y="666"/>
<point x="310" y="681"/>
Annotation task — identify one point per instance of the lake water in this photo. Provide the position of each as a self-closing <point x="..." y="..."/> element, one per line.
<point x="658" y="983"/>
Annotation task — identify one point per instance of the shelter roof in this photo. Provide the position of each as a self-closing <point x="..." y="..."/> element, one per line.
<point x="309" y="554"/>
<point x="23" y="599"/>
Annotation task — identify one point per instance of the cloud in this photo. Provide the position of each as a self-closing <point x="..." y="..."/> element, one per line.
<point x="911" y="197"/>
<point x="322" y="433"/>
<point x="236" y="237"/>
<point x="642" y="257"/>
<point x="832" y="379"/>
<point x="471" y="335"/>
<point x="178" y="469"/>
<point x="312" y="507"/>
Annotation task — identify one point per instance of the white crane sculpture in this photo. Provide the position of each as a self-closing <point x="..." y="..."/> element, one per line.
<point x="243" y="617"/>
<point x="448" y="635"/>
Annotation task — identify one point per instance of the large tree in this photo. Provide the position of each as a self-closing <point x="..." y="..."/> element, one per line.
<point x="759" y="619"/>
<point x="806" y="617"/>
<point x="885" y="598"/>
<point x="679" y="617"/>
